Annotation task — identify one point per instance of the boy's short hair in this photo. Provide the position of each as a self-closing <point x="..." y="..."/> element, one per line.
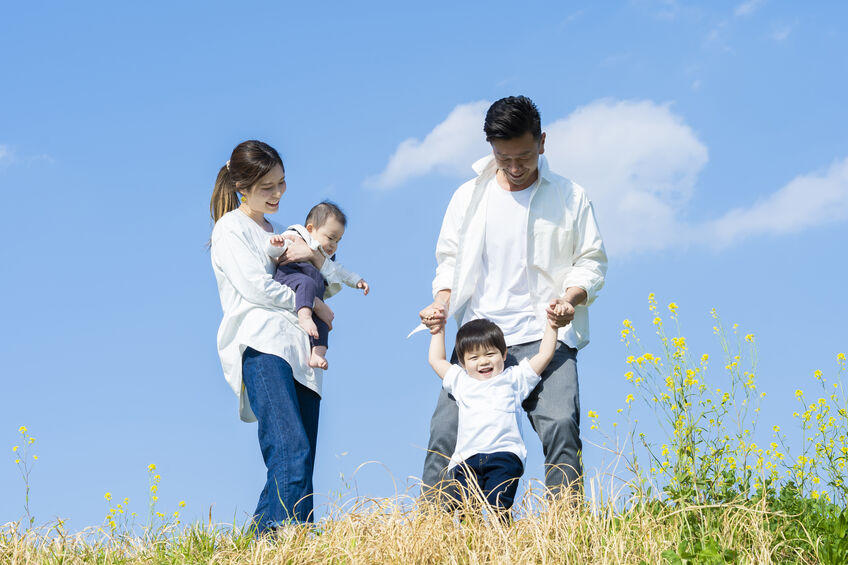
<point x="320" y="213"/>
<point x="478" y="334"/>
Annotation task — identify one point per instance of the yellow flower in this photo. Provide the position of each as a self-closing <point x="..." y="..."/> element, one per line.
<point x="151" y="467"/>
<point x="35" y="457"/>
<point x="593" y="414"/>
<point x="31" y="440"/>
<point x="108" y="496"/>
<point x="15" y="448"/>
<point x="153" y="488"/>
<point x="630" y="359"/>
<point x="22" y="430"/>
<point x="672" y="307"/>
<point x="17" y="461"/>
<point x="181" y="504"/>
<point x="627" y="323"/>
<point x="799" y="393"/>
<point x="657" y="321"/>
<point x="840" y="357"/>
<point x="629" y="399"/>
<point x="776" y="429"/>
<point x="749" y="338"/>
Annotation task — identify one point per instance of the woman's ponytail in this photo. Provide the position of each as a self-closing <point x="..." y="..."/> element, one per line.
<point x="224" y="195"/>
<point x="250" y="161"/>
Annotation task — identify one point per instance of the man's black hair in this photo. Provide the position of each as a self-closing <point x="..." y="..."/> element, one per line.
<point x="320" y="213"/>
<point x="512" y="117"/>
<point x="478" y="334"/>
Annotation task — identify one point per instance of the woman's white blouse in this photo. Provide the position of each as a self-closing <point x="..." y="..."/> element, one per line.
<point x="258" y="311"/>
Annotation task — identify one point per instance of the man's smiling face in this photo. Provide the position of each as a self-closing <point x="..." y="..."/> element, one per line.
<point x="518" y="159"/>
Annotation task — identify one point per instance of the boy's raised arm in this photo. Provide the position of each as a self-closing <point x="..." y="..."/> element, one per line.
<point x="438" y="359"/>
<point x="540" y="361"/>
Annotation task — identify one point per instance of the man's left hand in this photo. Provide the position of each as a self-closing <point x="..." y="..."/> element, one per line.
<point x="560" y="312"/>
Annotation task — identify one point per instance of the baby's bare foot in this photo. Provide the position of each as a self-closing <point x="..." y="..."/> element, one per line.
<point x="304" y="318"/>
<point x="317" y="359"/>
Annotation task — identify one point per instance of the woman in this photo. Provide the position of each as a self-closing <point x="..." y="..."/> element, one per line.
<point x="263" y="350"/>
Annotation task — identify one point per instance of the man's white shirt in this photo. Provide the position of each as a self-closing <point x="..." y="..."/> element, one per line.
<point x="503" y="292"/>
<point x="489" y="410"/>
<point x="562" y="242"/>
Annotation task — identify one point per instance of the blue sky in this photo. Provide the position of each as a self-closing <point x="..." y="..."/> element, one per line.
<point x="710" y="136"/>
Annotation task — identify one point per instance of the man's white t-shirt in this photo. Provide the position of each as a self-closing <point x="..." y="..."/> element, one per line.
<point x="489" y="410"/>
<point x="503" y="291"/>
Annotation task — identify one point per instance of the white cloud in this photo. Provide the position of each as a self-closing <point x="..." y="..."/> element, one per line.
<point x="639" y="162"/>
<point x="747" y="8"/>
<point x="449" y="149"/>
<point x="781" y="33"/>
<point x="807" y="201"/>
<point x="7" y="156"/>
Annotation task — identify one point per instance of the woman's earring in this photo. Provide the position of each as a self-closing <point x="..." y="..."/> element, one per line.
<point x="243" y="199"/>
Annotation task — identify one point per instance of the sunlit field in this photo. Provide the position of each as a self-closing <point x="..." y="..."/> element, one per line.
<point x="696" y="488"/>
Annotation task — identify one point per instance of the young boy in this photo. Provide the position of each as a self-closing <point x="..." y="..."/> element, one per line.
<point x="325" y="226"/>
<point x="489" y="449"/>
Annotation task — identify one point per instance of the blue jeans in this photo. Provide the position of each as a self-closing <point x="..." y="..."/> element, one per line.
<point x="288" y="430"/>
<point x="496" y="474"/>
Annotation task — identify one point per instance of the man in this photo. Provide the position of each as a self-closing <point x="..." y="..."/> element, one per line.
<point x="517" y="241"/>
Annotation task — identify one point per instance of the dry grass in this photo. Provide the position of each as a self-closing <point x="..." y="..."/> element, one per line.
<point x="406" y="530"/>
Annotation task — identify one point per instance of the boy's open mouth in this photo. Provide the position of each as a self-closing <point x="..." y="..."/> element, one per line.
<point x="485" y="371"/>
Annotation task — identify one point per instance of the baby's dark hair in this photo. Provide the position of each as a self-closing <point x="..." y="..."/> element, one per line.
<point x="478" y="334"/>
<point x="320" y="213"/>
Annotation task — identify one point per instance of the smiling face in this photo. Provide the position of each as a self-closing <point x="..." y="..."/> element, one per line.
<point x="484" y="362"/>
<point x="518" y="159"/>
<point x="264" y="196"/>
<point x="328" y="235"/>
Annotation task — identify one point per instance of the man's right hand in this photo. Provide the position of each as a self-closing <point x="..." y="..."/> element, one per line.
<point x="434" y="316"/>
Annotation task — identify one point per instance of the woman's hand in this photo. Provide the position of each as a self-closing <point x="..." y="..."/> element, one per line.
<point x="298" y="251"/>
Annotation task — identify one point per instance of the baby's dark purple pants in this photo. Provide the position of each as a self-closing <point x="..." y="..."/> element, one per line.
<point x="307" y="283"/>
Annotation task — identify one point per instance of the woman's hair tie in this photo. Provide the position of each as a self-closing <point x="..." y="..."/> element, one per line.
<point x="228" y="165"/>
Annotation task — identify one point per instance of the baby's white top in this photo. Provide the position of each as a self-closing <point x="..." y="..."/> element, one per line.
<point x="489" y="410"/>
<point x="335" y="275"/>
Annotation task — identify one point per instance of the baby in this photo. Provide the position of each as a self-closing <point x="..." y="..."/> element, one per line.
<point x="325" y="226"/>
<point x="489" y="449"/>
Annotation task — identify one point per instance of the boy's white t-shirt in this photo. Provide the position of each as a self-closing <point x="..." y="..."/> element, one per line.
<point x="503" y="291"/>
<point x="489" y="410"/>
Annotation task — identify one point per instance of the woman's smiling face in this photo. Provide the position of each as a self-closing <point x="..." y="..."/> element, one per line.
<point x="264" y="196"/>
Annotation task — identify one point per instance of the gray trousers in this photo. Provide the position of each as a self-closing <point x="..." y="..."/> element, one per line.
<point x="554" y="411"/>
